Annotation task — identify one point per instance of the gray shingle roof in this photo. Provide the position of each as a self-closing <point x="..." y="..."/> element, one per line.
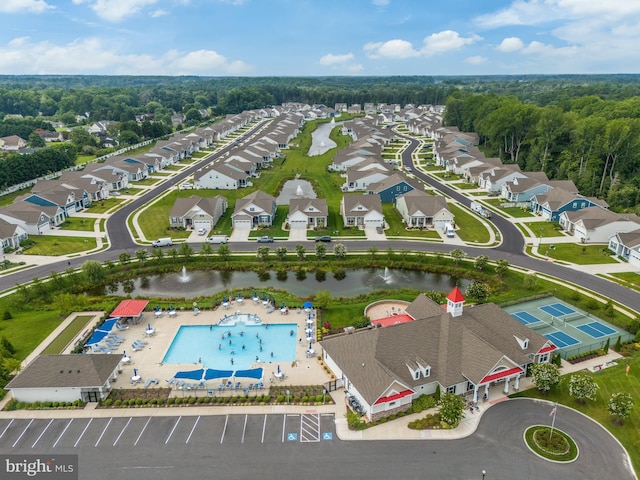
<point x="59" y="371"/>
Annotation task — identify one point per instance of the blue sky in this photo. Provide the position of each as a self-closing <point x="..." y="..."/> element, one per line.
<point x="319" y="37"/>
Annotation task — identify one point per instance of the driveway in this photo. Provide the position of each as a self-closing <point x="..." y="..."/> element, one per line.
<point x="372" y="234"/>
<point x="298" y="233"/>
<point x="240" y="234"/>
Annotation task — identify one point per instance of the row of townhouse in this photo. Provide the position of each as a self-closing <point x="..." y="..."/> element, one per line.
<point x="50" y="202"/>
<point x="587" y="219"/>
<point x="361" y="164"/>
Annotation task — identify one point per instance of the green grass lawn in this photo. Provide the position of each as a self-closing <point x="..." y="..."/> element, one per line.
<point x="464" y="185"/>
<point x="611" y="380"/>
<point x="105" y="206"/>
<point x="81" y="224"/>
<point x="28" y="328"/>
<point x="83" y="159"/>
<point x="545" y="229"/>
<point x="471" y="228"/>
<point x="9" y="198"/>
<point x="578" y="254"/>
<point x="61" y="342"/>
<point x="149" y="181"/>
<point x="53" y="245"/>
<point x="397" y="228"/>
<point x="628" y="279"/>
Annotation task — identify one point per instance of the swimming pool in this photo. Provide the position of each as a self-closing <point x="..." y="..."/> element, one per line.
<point x="216" y="346"/>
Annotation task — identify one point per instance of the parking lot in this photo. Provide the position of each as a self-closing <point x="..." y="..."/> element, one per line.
<point x="44" y="435"/>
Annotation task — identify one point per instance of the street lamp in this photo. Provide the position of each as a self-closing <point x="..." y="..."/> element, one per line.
<point x="483" y="474"/>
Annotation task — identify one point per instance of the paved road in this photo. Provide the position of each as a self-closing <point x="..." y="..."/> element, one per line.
<point x="305" y="446"/>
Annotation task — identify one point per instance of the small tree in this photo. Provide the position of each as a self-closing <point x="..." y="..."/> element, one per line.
<point x="620" y="404"/>
<point x="501" y="267"/>
<point x="224" y="252"/>
<point x="531" y="281"/>
<point x="205" y="249"/>
<point x="321" y="250"/>
<point x="124" y="258"/>
<point x="545" y="376"/>
<point x="141" y="255"/>
<point x="186" y="251"/>
<point x="322" y="298"/>
<point x="582" y="387"/>
<point x="263" y="253"/>
<point x="457" y="255"/>
<point x="618" y="346"/>
<point x="281" y="252"/>
<point x="301" y="252"/>
<point x="451" y="408"/>
<point x="340" y="251"/>
<point x="481" y="262"/>
<point x="607" y="345"/>
<point x="478" y="290"/>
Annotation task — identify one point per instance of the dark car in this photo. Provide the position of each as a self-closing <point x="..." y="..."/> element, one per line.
<point x="265" y="239"/>
<point x="379" y="230"/>
<point x="323" y="238"/>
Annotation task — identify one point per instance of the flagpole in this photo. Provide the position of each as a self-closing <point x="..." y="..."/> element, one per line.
<point x="553" y="421"/>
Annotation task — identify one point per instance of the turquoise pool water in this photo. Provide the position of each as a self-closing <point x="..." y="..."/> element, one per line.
<point x="217" y="345"/>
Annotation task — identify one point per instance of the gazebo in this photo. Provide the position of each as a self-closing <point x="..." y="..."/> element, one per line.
<point x="130" y="311"/>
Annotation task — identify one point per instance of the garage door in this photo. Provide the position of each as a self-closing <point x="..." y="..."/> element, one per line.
<point x="206" y="224"/>
<point x="242" y="224"/>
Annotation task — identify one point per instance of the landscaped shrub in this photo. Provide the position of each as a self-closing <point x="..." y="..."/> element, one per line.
<point x="305" y="399"/>
<point x="118" y="403"/>
<point x="280" y="398"/>
<point x="139" y="402"/>
<point x="132" y="402"/>
<point x="177" y="401"/>
<point x="192" y="400"/>
<point x="108" y="402"/>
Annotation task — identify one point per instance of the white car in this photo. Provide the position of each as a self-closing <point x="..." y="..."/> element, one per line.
<point x="186" y="186"/>
<point x="202" y="231"/>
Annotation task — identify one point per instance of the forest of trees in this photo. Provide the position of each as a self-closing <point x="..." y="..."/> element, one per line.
<point x="16" y="168"/>
<point x="580" y="127"/>
<point x="594" y="142"/>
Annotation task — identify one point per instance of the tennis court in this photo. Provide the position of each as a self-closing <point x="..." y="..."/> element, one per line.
<point x="572" y="330"/>
<point x="596" y="329"/>
<point x="557" y="309"/>
<point x="525" y="318"/>
<point x="561" y="339"/>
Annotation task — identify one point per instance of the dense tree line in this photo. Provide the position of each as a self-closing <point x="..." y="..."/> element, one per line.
<point x="16" y="168"/>
<point x="590" y="140"/>
<point x="22" y="127"/>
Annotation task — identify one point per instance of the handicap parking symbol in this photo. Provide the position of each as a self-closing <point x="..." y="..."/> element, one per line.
<point x="292" y="437"/>
<point x="327" y="436"/>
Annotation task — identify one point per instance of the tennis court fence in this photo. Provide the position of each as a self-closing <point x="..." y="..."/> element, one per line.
<point x="584" y="348"/>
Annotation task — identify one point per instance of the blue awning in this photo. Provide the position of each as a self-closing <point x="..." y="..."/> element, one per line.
<point x="191" y="374"/>
<point x="102" y="331"/>
<point x="211" y="374"/>
<point x="251" y="373"/>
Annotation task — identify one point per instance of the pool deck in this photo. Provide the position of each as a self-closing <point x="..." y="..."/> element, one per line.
<point x="148" y="361"/>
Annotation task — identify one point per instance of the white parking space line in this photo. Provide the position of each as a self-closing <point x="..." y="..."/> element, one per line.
<point x="284" y="425"/>
<point x="7" y="428"/>
<point x="226" y="420"/>
<point x="310" y="428"/>
<point x="193" y="429"/>
<point x="141" y="432"/>
<point x="23" y="432"/>
<point x="103" y="431"/>
<point x="122" y="431"/>
<point x="173" y="430"/>
<point x="244" y="428"/>
<point x="43" y="431"/>
<point x="264" y="428"/>
<point x="62" y="434"/>
<point x="82" y="434"/>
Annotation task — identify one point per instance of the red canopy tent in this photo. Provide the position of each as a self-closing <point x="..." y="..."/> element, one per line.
<point x="130" y="310"/>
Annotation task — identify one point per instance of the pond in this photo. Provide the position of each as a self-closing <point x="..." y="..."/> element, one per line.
<point x="350" y="283"/>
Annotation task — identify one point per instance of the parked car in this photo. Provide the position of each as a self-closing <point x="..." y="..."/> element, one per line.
<point x="217" y="240"/>
<point x="265" y="239"/>
<point x="186" y="186"/>
<point x="379" y="230"/>
<point x="202" y="231"/>
<point x="408" y="169"/>
<point x="323" y="238"/>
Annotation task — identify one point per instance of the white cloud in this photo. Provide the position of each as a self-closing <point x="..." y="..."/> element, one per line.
<point x="95" y="56"/>
<point x="476" y="60"/>
<point x="510" y="44"/>
<point x="116" y="10"/>
<point x="24" y="6"/>
<point x="331" y="59"/>
<point x="446" y="41"/>
<point x="434" y="44"/>
<point x="390" y="49"/>
<point x="158" y="13"/>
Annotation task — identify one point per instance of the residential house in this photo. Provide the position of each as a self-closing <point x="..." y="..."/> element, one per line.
<point x="596" y="224"/>
<point x="391" y="187"/>
<point x="12" y="143"/>
<point x="308" y="213"/>
<point x="360" y="176"/>
<point x="197" y="212"/>
<point x="556" y="201"/>
<point x="34" y="219"/>
<point x="362" y="211"/>
<point x="460" y="350"/>
<point x="522" y="189"/>
<point x="626" y="246"/>
<point x="222" y="176"/>
<point x="11" y="235"/>
<point x="421" y="210"/>
<point x="49" y="136"/>
<point x="254" y="210"/>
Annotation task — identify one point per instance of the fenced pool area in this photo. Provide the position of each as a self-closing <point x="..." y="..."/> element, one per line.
<point x="572" y="330"/>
